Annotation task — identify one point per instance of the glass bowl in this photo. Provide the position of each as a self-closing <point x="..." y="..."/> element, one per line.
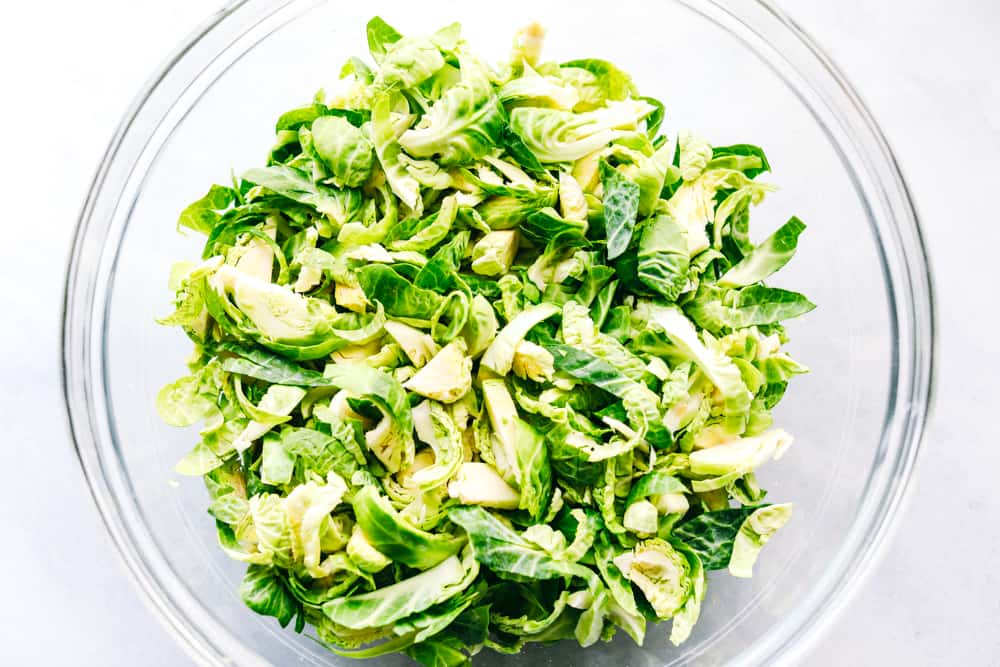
<point x="734" y="71"/>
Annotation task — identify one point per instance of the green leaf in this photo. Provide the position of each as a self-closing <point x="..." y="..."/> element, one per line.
<point x="390" y="534"/>
<point x="399" y="297"/>
<point x="546" y="226"/>
<point x="601" y="307"/>
<point x="655" y="119"/>
<point x="533" y="89"/>
<point x="341" y="205"/>
<point x="662" y="258"/>
<point x="430" y="623"/>
<point x="650" y="174"/>
<point x="380" y="36"/>
<point x="535" y="474"/>
<point x="640" y="402"/>
<point x="432" y="230"/>
<point x="661" y="572"/>
<point x="619" y="588"/>
<point x="711" y="535"/>
<point x="570" y="456"/>
<point x="553" y="135"/>
<point x="376" y="386"/>
<point x="445" y="652"/>
<point x="344" y="149"/>
<point x="518" y="150"/>
<point x="613" y="83"/>
<point x="267" y="366"/>
<point x="230" y="508"/>
<point x="768" y="305"/>
<point x="765" y="259"/>
<point x="463" y="125"/>
<point x="761" y="165"/>
<point x="276" y="463"/>
<point x="203" y="215"/>
<point x="472" y="626"/>
<point x="264" y="591"/>
<point x="756" y="305"/>
<point x="446" y="444"/>
<point x="441" y="272"/>
<point x="189" y="302"/>
<point x="719" y="369"/>
<point x="189" y="399"/>
<point x="292" y="120"/>
<point x="385" y="139"/>
<point x="508" y="554"/>
<point x="321" y="453"/>
<point x="694" y="154"/>
<point x="199" y="461"/>
<point x="688" y="614"/>
<point x="755" y="531"/>
<point x="499" y="356"/>
<point x="389" y="604"/>
<point x="530" y="625"/>
<point x="358" y="379"/>
<point x="407" y="63"/>
<point x="718" y="466"/>
<point x="621" y="206"/>
<point x="655" y="483"/>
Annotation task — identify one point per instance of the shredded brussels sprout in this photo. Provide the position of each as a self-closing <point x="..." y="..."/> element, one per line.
<point x="483" y="357"/>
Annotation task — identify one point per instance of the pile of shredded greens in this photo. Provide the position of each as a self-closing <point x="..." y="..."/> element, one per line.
<point x="483" y="358"/>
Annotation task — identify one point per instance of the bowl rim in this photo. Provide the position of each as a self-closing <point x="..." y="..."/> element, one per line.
<point x="907" y="276"/>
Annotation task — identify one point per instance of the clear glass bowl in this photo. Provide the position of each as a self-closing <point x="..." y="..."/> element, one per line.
<point x="734" y="71"/>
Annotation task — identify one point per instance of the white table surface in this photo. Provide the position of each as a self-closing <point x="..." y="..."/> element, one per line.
<point x="69" y="69"/>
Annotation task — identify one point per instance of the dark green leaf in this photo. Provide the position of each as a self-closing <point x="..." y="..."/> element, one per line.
<point x="585" y="366"/>
<point x="304" y="116"/>
<point x="744" y="150"/>
<point x="711" y="535"/>
<point x="444" y="652"/>
<point x="655" y="119"/>
<point x="508" y="554"/>
<point x="356" y="117"/>
<point x="267" y="366"/>
<point x="398" y="296"/>
<point x="640" y="402"/>
<point x="293" y="119"/>
<point x="621" y="206"/>
<point x="602" y="304"/>
<point x="441" y="272"/>
<point x="360" y="380"/>
<point x="571" y="463"/>
<point x="472" y="626"/>
<point x="546" y="227"/>
<point x="264" y="591"/>
<point x="773" y="393"/>
<point x="517" y="149"/>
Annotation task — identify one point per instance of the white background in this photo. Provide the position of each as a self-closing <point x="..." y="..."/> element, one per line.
<point x="927" y="70"/>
